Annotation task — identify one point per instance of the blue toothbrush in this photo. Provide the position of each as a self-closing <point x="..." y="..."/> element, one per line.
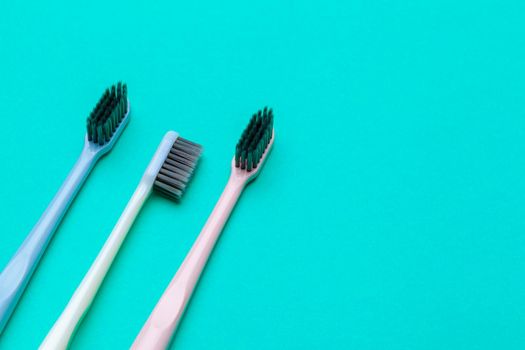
<point x="104" y="127"/>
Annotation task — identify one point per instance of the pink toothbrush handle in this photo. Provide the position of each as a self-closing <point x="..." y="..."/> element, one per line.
<point x="163" y="321"/>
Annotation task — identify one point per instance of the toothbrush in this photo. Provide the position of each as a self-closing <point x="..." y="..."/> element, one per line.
<point x="250" y="155"/>
<point x="169" y="172"/>
<point x="104" y="127"/>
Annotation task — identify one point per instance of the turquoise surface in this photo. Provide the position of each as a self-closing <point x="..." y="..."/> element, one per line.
<point x="389" y="215"/>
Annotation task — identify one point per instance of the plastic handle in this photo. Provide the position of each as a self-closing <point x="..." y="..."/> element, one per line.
<point x="163" y="321"/>
<point x="16" y="275"/>
<point x="60" y="335"/>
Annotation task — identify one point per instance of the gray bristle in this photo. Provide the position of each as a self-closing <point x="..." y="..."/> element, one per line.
<point x="178" y="168"/>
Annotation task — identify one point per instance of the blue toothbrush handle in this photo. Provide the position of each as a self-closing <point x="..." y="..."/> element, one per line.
<point x="15" y="277"/>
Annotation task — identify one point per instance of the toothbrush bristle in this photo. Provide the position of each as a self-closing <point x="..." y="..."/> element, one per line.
<point x="254" y="140"/>
<point x="108" y="114"/>
<point x="178" y="168"/>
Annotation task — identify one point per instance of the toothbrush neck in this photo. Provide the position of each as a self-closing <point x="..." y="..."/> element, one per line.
<point x="196" y="259"/>
<point x="223" y="208"/>
<point x="51" y="218"/>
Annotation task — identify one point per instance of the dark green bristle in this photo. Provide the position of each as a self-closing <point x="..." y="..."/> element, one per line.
<point x="108" y="114"/>
<point x="254" y="140"/>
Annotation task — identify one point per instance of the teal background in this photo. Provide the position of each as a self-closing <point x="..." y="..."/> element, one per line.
<point x="389" y="215"/>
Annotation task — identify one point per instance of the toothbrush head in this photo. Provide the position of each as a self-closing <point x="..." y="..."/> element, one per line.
<point x="178" y="168"/>
<point x="255" y="143"/>
<point x="109" y="117"/>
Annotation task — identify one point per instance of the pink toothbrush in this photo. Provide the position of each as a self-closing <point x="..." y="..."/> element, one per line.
<point x="250" y="154"/>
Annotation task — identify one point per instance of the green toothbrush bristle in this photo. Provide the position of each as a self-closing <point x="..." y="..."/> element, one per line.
<point x="108" y="114"/>
<point x="254" y="140"/>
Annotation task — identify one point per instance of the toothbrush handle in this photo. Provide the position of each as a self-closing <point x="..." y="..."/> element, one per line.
<point x="64" y="328"/>
<point x="16" y="275"/>
<point x="163" y="321"/>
